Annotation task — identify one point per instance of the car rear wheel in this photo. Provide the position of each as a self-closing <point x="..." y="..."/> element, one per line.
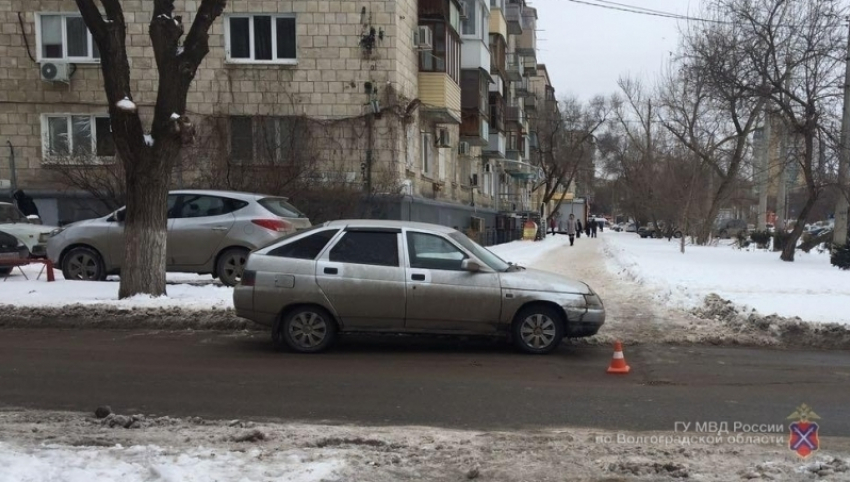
<point x="83" y="264"/>
<point x="230" y="265"/>
<point x="308" y="329"/>
<point x="538" y="329"/>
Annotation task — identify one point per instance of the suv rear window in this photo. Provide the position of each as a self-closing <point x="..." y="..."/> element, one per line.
<point x="280" y="207"/>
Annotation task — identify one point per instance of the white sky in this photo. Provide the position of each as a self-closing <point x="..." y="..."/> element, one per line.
<point x="586" y="49"/>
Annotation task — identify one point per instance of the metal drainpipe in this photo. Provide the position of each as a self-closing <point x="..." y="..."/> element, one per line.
<point x="13" y="176"/>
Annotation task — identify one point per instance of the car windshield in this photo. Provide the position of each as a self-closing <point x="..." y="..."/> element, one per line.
<point x="10" y="214"/>
<point x="479" y="252"/>
<point x="280" y="207"/>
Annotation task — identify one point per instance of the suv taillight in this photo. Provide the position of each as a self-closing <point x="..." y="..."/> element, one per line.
<point x="249" y="277"/>
<point x="278" y="225"/>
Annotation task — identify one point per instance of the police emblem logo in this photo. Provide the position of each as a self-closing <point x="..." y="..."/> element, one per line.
<point x="804" y="432"/>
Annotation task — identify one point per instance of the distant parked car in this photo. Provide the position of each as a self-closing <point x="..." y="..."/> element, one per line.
<point x="209" y="232"/>
<point x="12" y="252"/>
<point x="402" y="277"/>
<point x="630" y="228"/>
<point x="729" y="228"/>
<point x="27" y="229"/>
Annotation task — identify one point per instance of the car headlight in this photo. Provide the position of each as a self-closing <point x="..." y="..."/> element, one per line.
<point x="594" y="302"/>
<point x="54" y="232"/>
<point x="42" y="237"/>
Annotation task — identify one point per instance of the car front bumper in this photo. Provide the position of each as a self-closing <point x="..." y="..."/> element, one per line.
<point x="584" y="322"/>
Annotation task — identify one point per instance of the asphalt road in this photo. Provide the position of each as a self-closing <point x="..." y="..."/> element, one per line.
<point x="419" y="381"/>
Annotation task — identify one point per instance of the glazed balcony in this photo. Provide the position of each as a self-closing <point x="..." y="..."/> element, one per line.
<point x="513" y="16"/>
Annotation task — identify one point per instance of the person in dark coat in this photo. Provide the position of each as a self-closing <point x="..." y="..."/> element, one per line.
<point x="587" y="228"/>
<point x="593" y="226"/>
<point x="25" y="203"/>
<point x="578" y="228"/>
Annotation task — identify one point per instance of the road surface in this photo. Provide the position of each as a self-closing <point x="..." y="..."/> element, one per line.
<point x="418" y="381"/>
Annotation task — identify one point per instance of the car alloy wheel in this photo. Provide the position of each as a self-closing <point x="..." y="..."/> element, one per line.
<point x="231" y="263"/>
<point x="307" y="330"/>
<point x="538" y="329"/>
<point x="82" y="264"/>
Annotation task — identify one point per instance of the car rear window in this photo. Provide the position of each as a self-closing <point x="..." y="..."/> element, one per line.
<point x="281" y="207"/>
<point x="305" y="248"/>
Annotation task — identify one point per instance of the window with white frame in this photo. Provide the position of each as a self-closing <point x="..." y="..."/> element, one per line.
<point x="427" y="153"/>
<point x="261" y="38"/>
<point x="65" y="37"/>
<point x="77" y="137"/>
<point x="469" y="26"/>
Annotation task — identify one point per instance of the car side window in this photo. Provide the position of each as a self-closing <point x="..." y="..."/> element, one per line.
<point x="172" y="206"/>
<point x="367" y="247"/>
<point x="305" y="248"/>
<point x="197" y="206"/>
<point x="428" y="251"/>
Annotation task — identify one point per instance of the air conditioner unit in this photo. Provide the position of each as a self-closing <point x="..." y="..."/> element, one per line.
<point x="463" y="10"/>
<point x="473" y="180"/>
<point x="424" y="38"/>
<point x="54" y="72"/>
<point x="463" y="148"/>
<point x="443" y="139"/>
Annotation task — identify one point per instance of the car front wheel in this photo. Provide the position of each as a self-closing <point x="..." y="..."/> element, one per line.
<point x="308" y="329"/>
<point x="538" y="329"/>
<point x="83" y="264"/>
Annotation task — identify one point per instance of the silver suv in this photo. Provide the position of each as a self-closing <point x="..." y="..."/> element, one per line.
<point x="209" y="232"/>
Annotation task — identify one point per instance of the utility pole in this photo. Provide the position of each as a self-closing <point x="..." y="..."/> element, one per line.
<point x="839" y="234"/>
<point x="782" y="187"/>
<point x="762" y="171"/>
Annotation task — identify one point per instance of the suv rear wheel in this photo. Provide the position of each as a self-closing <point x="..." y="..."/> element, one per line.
<point x="230" y="265"/>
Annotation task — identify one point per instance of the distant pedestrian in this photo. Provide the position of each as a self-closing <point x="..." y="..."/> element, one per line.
<point x="601" y="225"/>
<point x="578" y="227"/>
<point x="593" y="226"/>
<point x="571" y="228"/>
<point x="587" y="228"/>
<point x="552" y="223"/>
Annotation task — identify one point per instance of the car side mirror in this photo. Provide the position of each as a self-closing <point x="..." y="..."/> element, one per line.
<point x="471" y="266"/>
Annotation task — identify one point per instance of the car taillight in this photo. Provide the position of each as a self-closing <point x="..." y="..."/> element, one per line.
<point x="278" y="225"/>
<point x="248" y="278"/>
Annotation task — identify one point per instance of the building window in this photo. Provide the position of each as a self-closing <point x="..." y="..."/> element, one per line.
<point x="445" y="57"/>
<point x="427" y="153"/>
<point x="470" y="23"/>
<point x="65" y="37"/>
<point x="241" y="139"/>
<point x="261" y="38"/>
<point x="77" y="137"/>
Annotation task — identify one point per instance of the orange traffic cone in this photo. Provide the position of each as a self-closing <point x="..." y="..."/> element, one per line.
<point x="618" y="363"/>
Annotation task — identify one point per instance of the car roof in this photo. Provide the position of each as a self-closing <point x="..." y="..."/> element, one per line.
<point x="383" y="223"/>
<point x="243" y="196"/>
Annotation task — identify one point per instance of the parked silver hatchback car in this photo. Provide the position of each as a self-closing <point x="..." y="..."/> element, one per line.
<point x="209" y="232"/>
<point x="401" y="277"/>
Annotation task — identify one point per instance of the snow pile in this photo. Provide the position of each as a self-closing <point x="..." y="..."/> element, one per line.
<point x="44" y="446"/>
<point x="526" y="253"/>
<point x="809" y="288"/>
<point x="126" y="105"/>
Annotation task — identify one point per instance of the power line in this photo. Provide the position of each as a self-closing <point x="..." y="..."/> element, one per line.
<point x="620" y="7"/>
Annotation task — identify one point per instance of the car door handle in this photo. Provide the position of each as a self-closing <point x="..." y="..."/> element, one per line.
<point x="418" y="277"/>
<point x="220" y="228"/>
<point x="331" y="271"/>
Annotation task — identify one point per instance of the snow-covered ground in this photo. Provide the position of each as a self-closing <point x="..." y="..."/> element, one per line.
<point x="72" y="447"/>
<point x="809" y="288"/>
<point x="188" y="291"/>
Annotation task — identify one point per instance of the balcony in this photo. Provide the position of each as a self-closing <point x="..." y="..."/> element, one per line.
<point x="521" y="170"/>
<point x="495" y="146"/>
<point x="498" y="24"/>
<point x="497" y="86"/>
<point x="531" y="103"/>
<point x="522" y="88"/>
<point x="475" y="129"/>
<point x="514" y="67"/>
<point x="529" y="65"/>
<point x="474" y="54"/>
<point x="513" y="16"/>
<point x="526" y="42"/>
<point x="440" y="97"/>
<point x="516" y="115"/>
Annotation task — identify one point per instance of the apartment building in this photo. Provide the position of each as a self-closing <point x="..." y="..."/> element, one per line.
<point x="419" y="103"/>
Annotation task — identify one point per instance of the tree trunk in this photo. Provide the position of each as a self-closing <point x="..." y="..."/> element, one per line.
<point x="145" y="232"/>
<point x="791" y="243"/>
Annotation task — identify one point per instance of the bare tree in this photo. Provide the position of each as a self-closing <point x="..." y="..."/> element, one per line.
<point x="103" y="181"/>
<point x="148" y="159"/>
<point x="708" y="112"/>
<point x="566" y="137"/>
<point x="792" y="53"/>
